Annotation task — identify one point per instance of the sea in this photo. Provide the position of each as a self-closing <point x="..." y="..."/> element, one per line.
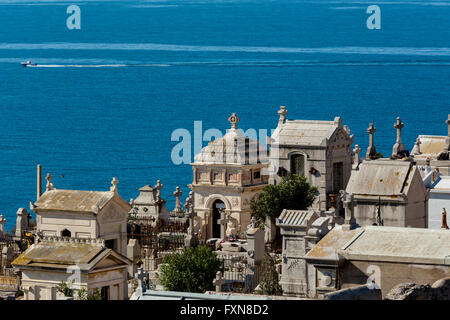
<point x="105" y="100"/>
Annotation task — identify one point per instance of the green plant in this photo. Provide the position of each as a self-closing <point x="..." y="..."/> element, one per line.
<point x="293" y="192"/>
<point x="269" y="282"/>
<point x="192" y="270"/>
<point x="65" y="289"/>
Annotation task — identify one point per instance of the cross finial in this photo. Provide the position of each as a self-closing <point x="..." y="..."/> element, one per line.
<point x="49" y="185"/>
<point x="398" y="146"/>
<point x="114" y="183"/>
<point x="399" y="124"/>
<point x="371" y="150"/>
<point x="177" y="193"/>
<point x="282" y="112"/>
<point x="233" y="119"/>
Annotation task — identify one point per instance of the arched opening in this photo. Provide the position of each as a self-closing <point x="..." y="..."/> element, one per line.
<point x="217" y="207"/>
<point x="298" y="164"/>
<point x="66" y="233"/>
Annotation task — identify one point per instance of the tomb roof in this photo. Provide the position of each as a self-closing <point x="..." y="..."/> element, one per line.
<point x="73" y="200"/>
<point x="382" y="177"/>
<point x="397" y="244"/>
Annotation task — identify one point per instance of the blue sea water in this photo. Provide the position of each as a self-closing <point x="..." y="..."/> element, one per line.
<point x="108" y="97"/>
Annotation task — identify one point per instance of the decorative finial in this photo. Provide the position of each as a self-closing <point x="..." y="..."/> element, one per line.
<point x="158" y="188"/>
<point x="282" y="112"/>
<point x="398" y="146"/>
<point x="49" y="185"/>
<point x="233" y="119"/>
<point x="371" y="150"/>
<point x="357" y="151"/>
<point x="347" y="129"/>
<point x="177" y="193"/>
<point x="114" y="183"/>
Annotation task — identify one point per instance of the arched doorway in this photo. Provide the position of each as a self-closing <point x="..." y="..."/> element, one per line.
<point x="217" y="207"/>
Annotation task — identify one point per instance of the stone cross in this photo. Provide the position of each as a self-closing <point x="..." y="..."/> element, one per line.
<point x="444" y="219"/>
<point x="282" y="112"/>
<point x="233" y="119"/>
<point x="178" y="193"/>
<point x="371" y="150"/>
<point x="349" y="205"/>
<point x="219" y="281"/>
<point x="191" y="240"/>
<point x="140" y="276"/>
<point x="357" y="151"/>
<point x="114" y="183"/>
<point x="417" y="146"/>
<point x="2" y="224"/>
<point x="158" y="188"/>
<point x="223" y="222"/>
<point x="49" y="185"/>
<point x="398" y="146"/>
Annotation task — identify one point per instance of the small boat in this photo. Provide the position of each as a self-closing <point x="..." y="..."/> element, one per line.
<point x="28" y="64"/>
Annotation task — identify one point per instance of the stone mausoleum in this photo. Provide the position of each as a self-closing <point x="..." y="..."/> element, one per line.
<point x="317" y="150"/>
<point x="227" y="174"/>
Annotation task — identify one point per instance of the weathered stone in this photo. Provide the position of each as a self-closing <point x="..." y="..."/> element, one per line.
<point x="441" y="289"/>
<point x="410" y="291"/>
<point x="364" y="292"/>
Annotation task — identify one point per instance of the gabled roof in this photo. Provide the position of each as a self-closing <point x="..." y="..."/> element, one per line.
<point x="326" y="249"/>
<point x="430" y="145"/>
<point x="306" y="132"/>
<point x="396" y="244"/>
<point x="75" y="200"/>
<point x="381" y="178"/>
<point x="61" y="253"/>
<point x="296" y="218"/>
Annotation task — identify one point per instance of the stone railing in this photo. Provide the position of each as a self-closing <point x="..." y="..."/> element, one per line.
<point x="96" y="241"/>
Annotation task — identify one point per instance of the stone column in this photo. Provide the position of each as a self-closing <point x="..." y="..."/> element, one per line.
<point x="398" y="146"/>
<point x="39" y="182"/>
<point x="371" y="150"/>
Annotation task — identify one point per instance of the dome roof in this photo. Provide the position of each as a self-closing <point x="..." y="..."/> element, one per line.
<point x="233" y="148"/>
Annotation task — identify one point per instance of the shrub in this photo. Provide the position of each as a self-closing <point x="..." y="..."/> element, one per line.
<point x="192" y="270"/>
<point x="293" y="192"/>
